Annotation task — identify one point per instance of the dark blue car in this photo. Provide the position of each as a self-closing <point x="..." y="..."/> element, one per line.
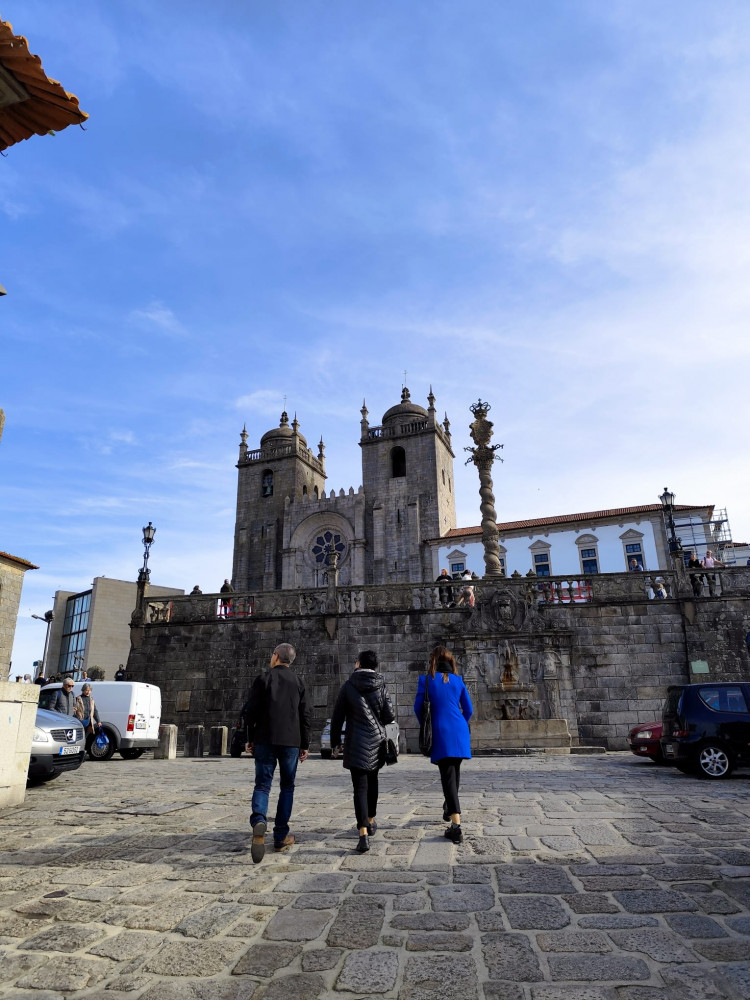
<point x="706" y="728"/>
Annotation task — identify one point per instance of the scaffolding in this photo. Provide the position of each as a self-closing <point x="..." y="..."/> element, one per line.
<point x="697" y="535"/>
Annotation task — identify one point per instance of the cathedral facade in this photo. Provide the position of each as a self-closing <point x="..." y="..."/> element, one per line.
<point x="288" y="528"/>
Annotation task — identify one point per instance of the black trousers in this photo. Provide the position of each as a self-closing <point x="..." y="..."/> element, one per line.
<point x="450" y="778"/>
<point x="365" y="784"/>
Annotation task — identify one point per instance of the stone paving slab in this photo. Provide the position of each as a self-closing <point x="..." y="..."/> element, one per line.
<point x="579" y="878"/>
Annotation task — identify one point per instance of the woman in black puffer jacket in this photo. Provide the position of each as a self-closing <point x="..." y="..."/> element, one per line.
<point x="363" y="704"/>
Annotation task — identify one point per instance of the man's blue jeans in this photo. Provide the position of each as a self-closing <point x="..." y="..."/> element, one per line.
<point x="266" y="756"/>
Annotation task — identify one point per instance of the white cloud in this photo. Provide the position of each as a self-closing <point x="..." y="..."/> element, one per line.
<point x="262" y="401"/>
<point x="160" y="318"/>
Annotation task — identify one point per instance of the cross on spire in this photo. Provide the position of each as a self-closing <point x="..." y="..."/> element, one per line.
<point x="403" y="384"/>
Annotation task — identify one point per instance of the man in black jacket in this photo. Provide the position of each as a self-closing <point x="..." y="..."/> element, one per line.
<point x="278" y="730"/>
<point x="65" y="700"/>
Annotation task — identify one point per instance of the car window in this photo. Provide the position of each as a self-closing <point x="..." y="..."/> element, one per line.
<point x="673" y="704"/>
<point x="47" y="699"/>
<point x="728" y="699"/>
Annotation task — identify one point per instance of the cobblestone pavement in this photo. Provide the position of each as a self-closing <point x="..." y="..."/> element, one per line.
<point x="580" y="878"/>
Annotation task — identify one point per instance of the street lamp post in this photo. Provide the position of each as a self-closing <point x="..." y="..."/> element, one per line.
<point x="675" y="544"/>
<point x="144" y="574"/>
<point x="48" y="618"/>
<point x="148" y="539"/>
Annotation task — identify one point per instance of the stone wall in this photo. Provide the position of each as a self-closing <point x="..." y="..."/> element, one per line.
<point x="12" y="572"/>
<point x="18" y="704"/>
<point x="599" y="653"/>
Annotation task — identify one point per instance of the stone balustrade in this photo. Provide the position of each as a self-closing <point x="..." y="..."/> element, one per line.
<point x="543" y="591"/>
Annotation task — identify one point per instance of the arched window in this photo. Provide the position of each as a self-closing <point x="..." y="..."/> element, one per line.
<point x="267" y="484"/>
<point x="398" y="463"/>
<point x="315" y="491"/>
<point x="304" y="491"/>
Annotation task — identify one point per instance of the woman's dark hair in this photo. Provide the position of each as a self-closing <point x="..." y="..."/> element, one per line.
<point x="368" y="659"/>
<point x="442" y="661"/>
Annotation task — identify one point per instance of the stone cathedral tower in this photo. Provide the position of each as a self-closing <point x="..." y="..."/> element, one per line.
<point x="287" y="526"/>
<point x="282" y="467"/>
<point x="407" y="474"/>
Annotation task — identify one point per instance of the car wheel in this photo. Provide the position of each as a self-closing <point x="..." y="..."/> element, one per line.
<point x="325" y="754"/>
<point x="132" y="753"/>
<point x="102" y="753"/>
<point x="714" y="762"/>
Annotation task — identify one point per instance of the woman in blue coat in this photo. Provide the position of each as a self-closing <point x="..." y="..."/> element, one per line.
<point x="451" y="710"/>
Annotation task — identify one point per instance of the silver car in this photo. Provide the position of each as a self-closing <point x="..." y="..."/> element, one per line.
<point x="58" y="745"/>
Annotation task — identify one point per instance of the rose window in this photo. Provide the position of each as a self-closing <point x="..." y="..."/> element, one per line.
<point x="324" y="544"/>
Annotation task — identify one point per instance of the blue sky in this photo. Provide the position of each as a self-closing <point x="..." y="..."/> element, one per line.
<point x="543" y="204"/>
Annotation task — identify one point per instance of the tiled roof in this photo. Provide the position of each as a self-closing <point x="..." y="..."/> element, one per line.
<point x="16" y="559"/>
<point x="591" y="515"/>
<point x="30" y="103"/>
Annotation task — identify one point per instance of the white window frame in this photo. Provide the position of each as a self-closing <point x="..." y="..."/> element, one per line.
<point x="633" y="537"/>
<point x="588" y="541"/>
<point x="539" y="548"/>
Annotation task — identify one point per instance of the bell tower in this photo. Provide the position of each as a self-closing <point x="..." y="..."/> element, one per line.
<point x="407" y="474"/>
<point x="282" y="467"/>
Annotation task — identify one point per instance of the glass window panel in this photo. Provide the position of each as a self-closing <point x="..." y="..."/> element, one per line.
<point x="588" y="553"/>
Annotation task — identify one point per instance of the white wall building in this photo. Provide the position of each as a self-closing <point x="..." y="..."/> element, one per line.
<point x="603" y="541"/>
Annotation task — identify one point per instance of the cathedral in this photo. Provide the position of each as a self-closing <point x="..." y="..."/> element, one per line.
<point x="288" y="527"/>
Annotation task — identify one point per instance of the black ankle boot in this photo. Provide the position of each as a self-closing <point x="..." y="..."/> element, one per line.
<point x="454" y="833"/>
<point x="364" y="844"/>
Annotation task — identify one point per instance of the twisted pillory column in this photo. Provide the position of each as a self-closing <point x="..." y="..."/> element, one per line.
<point x="483" y="455"/>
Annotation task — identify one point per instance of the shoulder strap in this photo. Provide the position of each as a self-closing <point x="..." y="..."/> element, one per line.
<point x="427" y="687"/>
<point x="377" y="712"/>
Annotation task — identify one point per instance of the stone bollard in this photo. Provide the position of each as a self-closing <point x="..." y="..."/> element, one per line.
<point x="167" y="749"/>
<point x="193" y="741"/>
<point x="217" y="741"/>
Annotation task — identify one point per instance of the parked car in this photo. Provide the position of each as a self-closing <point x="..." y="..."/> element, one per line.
<point x="130" y="713"/>
<point x="326" y="750"/>
<point x="58" y="745"/>
<point x="644" y="741"/>
<point x="706" y="728"/>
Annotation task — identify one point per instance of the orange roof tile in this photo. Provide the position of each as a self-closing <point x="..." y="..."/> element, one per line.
<point x="17" y="559"/>
<point x="593" y="515"/>
<point x="30" y="102"/>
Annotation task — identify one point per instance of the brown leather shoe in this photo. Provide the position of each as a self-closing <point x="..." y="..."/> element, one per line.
<point x="258" y="846"/>
<point x="286" y="842"/>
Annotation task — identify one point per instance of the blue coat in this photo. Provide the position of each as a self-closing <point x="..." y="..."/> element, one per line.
<point x="451" y="710"/>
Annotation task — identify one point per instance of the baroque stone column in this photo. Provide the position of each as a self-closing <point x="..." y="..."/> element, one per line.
<point x="483" y="455"/>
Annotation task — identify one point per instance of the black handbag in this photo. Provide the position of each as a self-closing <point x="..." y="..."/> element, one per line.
<point x="388" y="750"/>
<point x="391" y="752"/>
<point x="425" y="723"/>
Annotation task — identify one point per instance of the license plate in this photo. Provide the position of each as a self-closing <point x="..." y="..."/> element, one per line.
<point x="140" y="725"/>
<point x="668" y="750"/>
<point x="64" y="751"/>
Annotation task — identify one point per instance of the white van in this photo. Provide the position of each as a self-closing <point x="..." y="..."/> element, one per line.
<point x="130" y="713"/>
